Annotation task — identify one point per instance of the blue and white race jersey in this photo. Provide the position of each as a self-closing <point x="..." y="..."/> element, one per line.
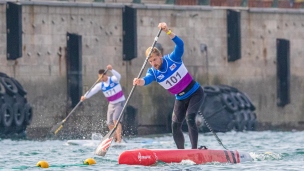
<point x="113" y="92"/>
<point x="176" y="77"/>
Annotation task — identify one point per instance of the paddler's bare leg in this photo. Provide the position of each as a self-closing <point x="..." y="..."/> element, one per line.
<point x="118" y="132"/>
<point x="110" y="128"/>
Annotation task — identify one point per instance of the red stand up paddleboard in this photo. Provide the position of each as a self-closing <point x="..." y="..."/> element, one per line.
<point x="148" y="157"/>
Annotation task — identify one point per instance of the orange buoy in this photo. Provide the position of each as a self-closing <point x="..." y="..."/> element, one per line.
<point x="89" y="161"/>
<point x="43" y="164"/>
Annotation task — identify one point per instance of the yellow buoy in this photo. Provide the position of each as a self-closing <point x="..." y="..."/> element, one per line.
<point x="89" y="161"/>
<point x="43" y="164"/>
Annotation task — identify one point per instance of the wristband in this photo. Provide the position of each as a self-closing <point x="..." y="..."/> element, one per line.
<point x="169" y="32"/>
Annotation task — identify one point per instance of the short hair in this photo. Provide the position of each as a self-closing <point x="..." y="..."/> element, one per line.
<point x="154" y="51"/>
<point x="101" y="71"/>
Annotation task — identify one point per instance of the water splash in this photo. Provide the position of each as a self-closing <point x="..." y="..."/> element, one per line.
<point x="96" y="136"/>
<point x="265" y="156"/>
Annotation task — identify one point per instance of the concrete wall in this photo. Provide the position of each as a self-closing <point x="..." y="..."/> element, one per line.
<point x="42" y="68"/>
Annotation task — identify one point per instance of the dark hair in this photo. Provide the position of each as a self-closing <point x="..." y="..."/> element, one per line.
<point x="101" y="71"/>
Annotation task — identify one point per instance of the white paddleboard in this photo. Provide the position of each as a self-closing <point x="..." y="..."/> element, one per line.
<point x="94" y="143"/>
<point x="83" y="142"/>
<point x="97" y="137"/>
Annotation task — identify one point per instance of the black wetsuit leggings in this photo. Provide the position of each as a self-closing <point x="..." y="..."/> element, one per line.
<point x="186" y="109"/>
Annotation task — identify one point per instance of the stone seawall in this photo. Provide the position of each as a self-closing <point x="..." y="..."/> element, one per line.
<point x="42" y="69"/>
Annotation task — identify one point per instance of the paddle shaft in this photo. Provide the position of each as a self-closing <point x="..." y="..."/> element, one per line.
<point x="209" y="127"/>
<point x="133" y="88"/>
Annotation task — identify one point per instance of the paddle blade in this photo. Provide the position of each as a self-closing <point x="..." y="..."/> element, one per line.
<point x="57" y="127"/>
<point x="104" y="145"/>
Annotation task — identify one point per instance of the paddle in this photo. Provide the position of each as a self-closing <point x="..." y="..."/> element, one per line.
<point x="209" y="127"/>
<point x="106" y="141"/>
<point x="59" y="125"/>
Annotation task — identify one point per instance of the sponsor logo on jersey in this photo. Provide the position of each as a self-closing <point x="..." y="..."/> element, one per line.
<point x="160" y="77"/>
<point x="172" y="67"/>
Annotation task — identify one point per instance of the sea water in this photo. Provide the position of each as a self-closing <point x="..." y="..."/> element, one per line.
<point x="270" y="150"/>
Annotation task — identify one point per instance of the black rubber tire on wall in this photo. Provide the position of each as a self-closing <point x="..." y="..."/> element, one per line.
<point x="6" y="130"/>
<point x="18" y="114"/>
<point x="230" y="88"/>
<point x="224" y="89"/>
<point x="246" y="116"/>
<point x="246" y="97"/>
<point x="245" y="100"/>
<point x="10" y="87"/>
<point x="254" y="125"/>
<point x="2" y="89"/>
<point x="28" y="114"/>
<point x="3" y="75"/>
<point x="240" y="101"/>
<point x="21" y="90"/>
<point x="252" y="122"/>
<point x="7" y="115"/>
<point x="231" y="125"/>
<point x="20" y="129"/>
<point x="2" y="100"/>
<point x="239" y="126"/>
<point x="1" y="116"/>
<point x="19" y="99"/>
<point x="211" y="90"/>
<point x="229" y="102"/>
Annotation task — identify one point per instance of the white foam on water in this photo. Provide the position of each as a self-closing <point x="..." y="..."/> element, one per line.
<point x="265" y="156"/>
<point x="187" y="162"/>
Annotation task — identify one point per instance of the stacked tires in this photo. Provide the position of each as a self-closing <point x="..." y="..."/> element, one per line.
<point x="226" y="108"/>
<point x="15" y="112"/>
